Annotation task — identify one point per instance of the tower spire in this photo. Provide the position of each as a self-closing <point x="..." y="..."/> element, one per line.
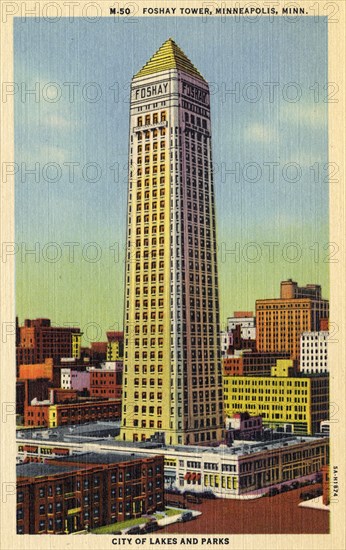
<point x="168" y="56"/>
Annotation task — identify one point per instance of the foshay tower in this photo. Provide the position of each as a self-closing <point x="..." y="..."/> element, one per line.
<point x="172" y="370"/>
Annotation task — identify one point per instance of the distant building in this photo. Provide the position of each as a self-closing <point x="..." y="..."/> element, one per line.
<point x="76" y="493"/>
<point x="295" y="404"/>
<point x="251" y="363"/>
<point x="243" y="426"/>
<point x="115" y="346"/>
<point x="75" y="378"/>
<point x="107" y="380"/>
<point x="49" y="415"/>
<point x="281" y="321"/>
<point x="314" y="352"/>
<point x="247" y="323"/>
<point x="38" y="340"/>
<point x="225" y="343"/>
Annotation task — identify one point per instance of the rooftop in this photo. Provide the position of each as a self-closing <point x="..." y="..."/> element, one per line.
<point x="168" y="56"/>
<point x="239" y="448"/>
<point x="87" y="458"/>
<point x="38" y="469"/>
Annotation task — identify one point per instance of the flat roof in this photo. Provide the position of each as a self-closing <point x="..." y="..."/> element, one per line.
<point x="103" y="458"/>
<point x="41" y="469"/>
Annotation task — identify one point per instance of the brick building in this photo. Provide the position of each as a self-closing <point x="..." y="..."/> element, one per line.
<point x="38" y="340"/>
<point x="107" y="381"/>
<point x="251" y="363"/>
<point x="47" y="414"/>
<point x="281" y="321"/>
<point x="82" y="492"/>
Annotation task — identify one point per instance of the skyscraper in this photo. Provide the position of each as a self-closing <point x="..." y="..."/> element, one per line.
<point x="172" y="371"/>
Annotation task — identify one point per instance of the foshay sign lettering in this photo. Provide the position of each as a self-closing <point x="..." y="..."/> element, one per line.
<point x="150" y="91"/>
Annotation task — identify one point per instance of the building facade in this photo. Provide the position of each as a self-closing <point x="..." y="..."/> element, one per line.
<point x="281" y="321"/>
<point x="314" y="352"/>
<point x="82" y="492"/>
<point x="296" y="404"/>
<point x="251" y="363"/>
<point x="50" y="416"/>
<point x="38" y="340"/>
<point x="226" y="472"/>
<point x="172" y="372"/>
<point x="247" y="323"/>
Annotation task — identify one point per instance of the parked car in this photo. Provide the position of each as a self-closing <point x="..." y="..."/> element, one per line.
<point x="194" y="498"/>
<point x="150" y="527"/>
<point x="187" y="516"/>
<point x="273" y="491"/>
<point x="135" y="530"/>
<point x="284" y="488"/>
<point x="294" y="485"/>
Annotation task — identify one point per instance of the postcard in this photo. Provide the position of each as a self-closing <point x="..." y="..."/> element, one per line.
<point x="173" y="274"/>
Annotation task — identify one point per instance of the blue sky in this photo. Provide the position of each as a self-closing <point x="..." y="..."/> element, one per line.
<point x="260" y="203"/>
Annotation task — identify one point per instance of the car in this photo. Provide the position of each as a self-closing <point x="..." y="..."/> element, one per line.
<point x="294" y="485"/>
<point x="194" y="498"/>
<point x="187" y="516"/>
<point x="135" y="530"/>
<point x="273" y="491"/>
<point x="284" y="488"/>
<point x="150" y="526"/>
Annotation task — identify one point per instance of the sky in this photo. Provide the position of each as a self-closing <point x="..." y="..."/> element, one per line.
<point x="269" y="136"/>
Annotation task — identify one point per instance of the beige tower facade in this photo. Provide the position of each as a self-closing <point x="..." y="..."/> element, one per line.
<point x="281" y="321"/>
<point x="172" y="372"/>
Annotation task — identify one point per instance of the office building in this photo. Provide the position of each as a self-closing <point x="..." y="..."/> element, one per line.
<point x="39" y="340"/>
<point x="172" y="386"/>
<point x="281" y="321"/>
<point x="314" y="352"/>
<point x="296" y="404"/>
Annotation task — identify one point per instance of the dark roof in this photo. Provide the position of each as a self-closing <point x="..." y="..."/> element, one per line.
<point x="37" y="469"/>
<point x="84" y="459"/>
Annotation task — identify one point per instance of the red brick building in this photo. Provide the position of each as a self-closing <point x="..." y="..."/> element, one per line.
<point x="38" y="340"/>
<point x="82" y="492"/>
<point x="252" y="363"/>
<point x="63" y="414"/>
<point x="105" y="383"/>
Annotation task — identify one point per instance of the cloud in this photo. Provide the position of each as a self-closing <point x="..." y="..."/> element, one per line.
<point x="261" y="133"/>
<point x="312" y="115"/>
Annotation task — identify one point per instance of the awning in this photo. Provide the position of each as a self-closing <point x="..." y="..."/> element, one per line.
<point x="59" y="451"/>
<point x="30" y="449"/>
<point x="187" y="475"/>
<point x="193" y="476"/>
<point x="198" y="476"/>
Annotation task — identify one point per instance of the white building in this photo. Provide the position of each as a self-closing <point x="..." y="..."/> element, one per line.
<point x="314" y="352"/>
<point x="225" y="342"/>
<point x="247" y="323"/>
<point x="228" y="472"/>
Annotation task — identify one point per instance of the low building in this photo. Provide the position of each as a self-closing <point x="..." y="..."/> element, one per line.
<point x="246" y="468"/>
<point x="107" y="380"/>
<point x="50" y="415"/>
<point x="243" y="426"/>
<point x="82" y="492"/>
<point x="249" y="363"/>
<point x="295" y="404"/>
<point x="75" y="378"/>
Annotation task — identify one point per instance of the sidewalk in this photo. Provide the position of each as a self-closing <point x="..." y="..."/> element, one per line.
<point x="316" y="503"/>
